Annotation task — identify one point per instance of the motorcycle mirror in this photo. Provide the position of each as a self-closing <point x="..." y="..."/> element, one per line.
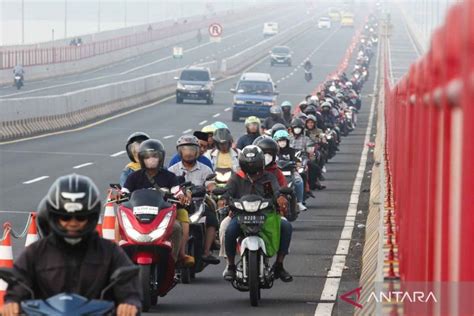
<point x="122" y="274"/>
<point x="286" y="190"/>
<point x="10" y="278"/>
<point x="115" y="186"/>
<point x="219" y="191"/>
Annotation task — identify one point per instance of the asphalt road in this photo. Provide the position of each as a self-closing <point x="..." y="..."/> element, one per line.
<point x="95" y="151"/>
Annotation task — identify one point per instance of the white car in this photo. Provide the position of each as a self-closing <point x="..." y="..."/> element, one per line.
<point x="270" y="29"/>
<point x="324" y="22"/>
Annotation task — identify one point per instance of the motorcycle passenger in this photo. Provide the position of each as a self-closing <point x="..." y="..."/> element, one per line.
<point x="285" y="152"/>
<point x="203" y="144"/>
<point x="287" y="115"/>
<point x="252" y="125"/>
<point x="209" y="130"/>
<point x="196" y="172"/>
<point x="72" y="257"/>
<point x="224" y="156"/>
<point x="276" y="116"/>
<point x="132" y="145"/>
<point x="253" y="179"/>
<point x="152" y="175"/>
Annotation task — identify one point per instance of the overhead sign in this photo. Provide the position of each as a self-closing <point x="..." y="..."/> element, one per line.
<point x="177" y="52"/>
<point x="215" y="30"/>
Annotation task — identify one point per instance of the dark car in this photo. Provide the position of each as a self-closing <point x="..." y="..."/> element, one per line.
<point x="195" y="84"/>
<point x="280" y="55"/>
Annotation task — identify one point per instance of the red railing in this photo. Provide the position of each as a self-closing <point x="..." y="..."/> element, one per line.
<point x="429" y="117"/>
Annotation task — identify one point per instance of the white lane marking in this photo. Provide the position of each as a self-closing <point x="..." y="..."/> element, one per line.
<point x="83" y="165"/>
<point x="227" y="109"/>
<point x="203" y="122"/>
<point x="36" y="180"/>
<point x="331" y="285"/>
<point x="216" y="115"/>
<point x="118" y="153"/>
<point x="169" y="136"/>
<point x="187" y="131"/>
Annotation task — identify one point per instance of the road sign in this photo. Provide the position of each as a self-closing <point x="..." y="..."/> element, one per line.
<point x="215" y="30"/>
<point x="177" y="52"/>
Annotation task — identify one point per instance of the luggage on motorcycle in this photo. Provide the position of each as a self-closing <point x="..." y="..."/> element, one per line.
<point x="270" y="233"/>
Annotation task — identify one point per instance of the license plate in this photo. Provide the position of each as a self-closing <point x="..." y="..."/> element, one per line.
<point x="287" y="173"/>
<point x="251" y="219"/>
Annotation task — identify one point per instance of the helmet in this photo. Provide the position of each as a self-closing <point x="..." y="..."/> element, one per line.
<point x="311" y="117"/>
<point x="297" y="126"/>
<point x="208" y="129"/>
<point x="252" y="120"/>
<point x="188" y="140"/>
<point x="326" y="105"/>
<point x="286" y="104"/>
<point x="278" y="127"/>
<point x="313" y="100"/>
<point x="279" y="135"/>
<point x="252" y="160"/>
<point x="151" y="147"/>
<point x="218" y="125"/>
<point x="332" y="89"/>
<point x="339" y="95"/>
<point x="275" y="110"/>
<point x="42" y="218"/>
<point x="134" y="137"/>
<point x="222" y="136"/>
<point x="349" y="84"/>
<point x="72" y="195"/>
<point x="269" y="148"/>
<point x="310" y="110"/>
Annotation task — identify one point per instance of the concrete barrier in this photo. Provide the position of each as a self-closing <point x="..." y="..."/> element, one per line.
<point x="27" y="116"/>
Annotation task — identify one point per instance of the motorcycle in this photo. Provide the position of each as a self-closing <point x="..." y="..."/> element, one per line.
<point x="67" y="303"/>
<point x="253" y="269"/>
<point x="288" y="168"/>
<point x="308" y="76"/>
<point x="18" y="82"/>
<point x="332" y="145"/>
<point x="146" y="222"/>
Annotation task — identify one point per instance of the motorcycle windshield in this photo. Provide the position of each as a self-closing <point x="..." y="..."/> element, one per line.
<point x="146" y="203"/>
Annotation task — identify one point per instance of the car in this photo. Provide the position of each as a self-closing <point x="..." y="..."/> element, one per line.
<point x="324" y="22"/>
<point x="334" y="14"/>
<point x="280" y="55"/>
<point x="254" y="94"/>
<point x="347" y="19"/>
<point x="195" y="83"/>
<point x="270" y="29"/>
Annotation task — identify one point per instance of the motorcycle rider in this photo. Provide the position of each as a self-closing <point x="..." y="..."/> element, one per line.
<point x="132" y="145"/>
<point x="276" y="116"/>
<point x="18" y="71"/>
<point x="307" y="68"/>
<point x="209" y="130"/>
<point x="252" y="125"/>
<point x="152" y="175"/>
<point x="196" y="172"/>
<point x="286" y="108"/>
<point x="285" y="152"/>
<point x="72" y="257"/>
<point x="253" y="179"/>
<point x="318" y="137"/>
<point x="203" y="144"/>
<point x="224" y="156"/>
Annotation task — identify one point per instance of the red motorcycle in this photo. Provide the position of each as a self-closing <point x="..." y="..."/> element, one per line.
<point x="146" y="222"/>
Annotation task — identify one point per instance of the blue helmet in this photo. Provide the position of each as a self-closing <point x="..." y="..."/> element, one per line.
<point x="281" y="134"/>
<point x="219" y="125"/>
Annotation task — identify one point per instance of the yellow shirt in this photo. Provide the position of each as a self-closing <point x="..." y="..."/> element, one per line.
<point x="224" y="160"/>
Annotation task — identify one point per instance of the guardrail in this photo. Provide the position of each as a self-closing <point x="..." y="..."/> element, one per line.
<point x="430" y="123"/>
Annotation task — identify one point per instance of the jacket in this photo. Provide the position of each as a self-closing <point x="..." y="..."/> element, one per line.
<point x="273" y="169"/>
<point x="239" y="185"/>
<point x="246" y="140"/>
<point x="214" y="153"/>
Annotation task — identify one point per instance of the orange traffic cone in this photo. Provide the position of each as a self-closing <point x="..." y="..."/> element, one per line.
<point x="6" y="257"/>
<point x="32" y="235"/>
<point x="108" y="227"/>
<point x="98" y="228"/>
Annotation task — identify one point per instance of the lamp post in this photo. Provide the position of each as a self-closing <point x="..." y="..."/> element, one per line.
<point x="65" y="18"/>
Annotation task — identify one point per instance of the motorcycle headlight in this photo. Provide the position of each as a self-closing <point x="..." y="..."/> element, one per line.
<point x="264" y="205"/>
<point x="238" y="205"/>
<point x="223" y="177"/>
<point x="239" y="102"/>
<point x="251" y="207"/>
<point x="145" y="238"/>
<point x="269" y="103"/>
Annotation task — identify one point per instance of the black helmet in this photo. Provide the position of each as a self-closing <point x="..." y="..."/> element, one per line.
<point x="138" y="137"/>
<point x="222" y="136"/>
<point x="311" y="109"/>
<point x="72" y="195"/>
<point x="278" y="127"/>
<point x="276" y="110"/>
<point x="268" y="146"/>
<point x="296" y="122"/>
<point x="252" y="160"/>
<point x="151" y="146"/>
<point x="42" y="218"/>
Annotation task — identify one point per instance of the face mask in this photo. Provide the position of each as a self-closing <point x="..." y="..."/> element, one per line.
<point x="282" y="143"/>
<point x="297" y="130"/>
<point x="151" y="163"/>
<point x="268" y="159"/>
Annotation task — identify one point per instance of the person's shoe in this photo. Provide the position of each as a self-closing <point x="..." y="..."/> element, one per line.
<point x="324" y="170"/>
<point x="280" y="273"/>
<point x="229" y="273"/>
<point x="320" y="187"/>
<point x="210" y="259"/>
<point x="301" y="207"/>
<point x="186" y="261"/>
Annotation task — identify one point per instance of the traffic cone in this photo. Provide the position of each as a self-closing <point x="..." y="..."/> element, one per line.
<point x="108" y="227"/>
<point x="98" y="228"/>
<point x="6" y="257"/>
<point x="32" y="235"/>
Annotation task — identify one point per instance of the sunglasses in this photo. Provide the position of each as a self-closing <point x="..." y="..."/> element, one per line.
<point x="68" y="217"/>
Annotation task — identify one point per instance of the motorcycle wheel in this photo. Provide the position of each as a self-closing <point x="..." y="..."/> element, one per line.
<point x="145" y="280"/>
<point x="253" y="278"/>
